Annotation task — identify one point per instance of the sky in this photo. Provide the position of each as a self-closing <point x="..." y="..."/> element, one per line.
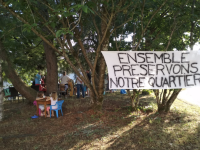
<point x="195" y="48"/>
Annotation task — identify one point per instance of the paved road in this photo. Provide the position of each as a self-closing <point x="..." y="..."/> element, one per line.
<point x="190" y="95"/>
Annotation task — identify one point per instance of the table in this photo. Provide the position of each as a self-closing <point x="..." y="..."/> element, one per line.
<point x="43" y="102"/>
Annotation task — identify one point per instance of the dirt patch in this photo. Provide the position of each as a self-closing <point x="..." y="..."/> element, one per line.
<point x="116" y="127"/>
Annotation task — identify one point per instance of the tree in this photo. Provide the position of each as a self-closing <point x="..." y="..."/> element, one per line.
<point x="134" y="98"/>
<point x="10" y="72"/>
<point x="1" y="90"/>
<point x="165" y="99"/>
<point x="26" y="52"/>
<point x="166" y="32"/>
<point x="171" y="34"/>
<point x="82" y="29"/>
<point x="71" y="17"/>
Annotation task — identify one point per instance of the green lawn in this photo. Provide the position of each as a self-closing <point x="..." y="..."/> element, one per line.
<point x="115" y="128"/>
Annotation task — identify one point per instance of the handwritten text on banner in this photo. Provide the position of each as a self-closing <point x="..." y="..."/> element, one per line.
<point x="152" y="70"/>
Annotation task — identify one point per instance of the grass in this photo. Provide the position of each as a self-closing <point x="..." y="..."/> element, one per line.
<point x="115" y="128"/>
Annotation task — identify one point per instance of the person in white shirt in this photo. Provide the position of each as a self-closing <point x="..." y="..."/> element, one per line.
<point x="64" y="80"/>
<point x="54" y="99"/>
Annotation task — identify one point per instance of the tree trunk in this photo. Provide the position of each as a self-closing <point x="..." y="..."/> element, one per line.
<point x="147" y="43"/>
<point x="51" y="59"/>
<point x="97" y="106"/>
<point x="105" y="34"/>
<point x="1" y="92"/>
<point x="161" y="108"/>
<point x="98" y="99"/>
<point x="100" y="86"/>
<point x="134" y="98"/>
<point x="10" y="72"/>
<point x="52" y="69"/>
<point x="165" y="99"/>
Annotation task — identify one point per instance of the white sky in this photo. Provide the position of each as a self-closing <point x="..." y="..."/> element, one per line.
<point x="195" y="48"/>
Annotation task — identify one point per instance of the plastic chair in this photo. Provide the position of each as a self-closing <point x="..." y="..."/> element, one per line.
<point x="7" y="92"/>
<point x="59" y="107"/>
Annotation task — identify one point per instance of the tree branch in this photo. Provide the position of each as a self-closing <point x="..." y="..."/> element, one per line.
<point x="35" y="31"/>
<point x="99" y="47"/>
<point x="98" y="15"/>
<point x="97" y="29"/>
<point x="171" y="36"/>
<point x="121" y="25"/>
<point x="149" y="23"/>
<point x="31" y="10"/>
<point x="142" y="14"/>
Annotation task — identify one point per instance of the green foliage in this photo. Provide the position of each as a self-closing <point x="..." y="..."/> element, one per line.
<point x="27" y="28"/>
<point x="63" y="31"/>
<point x="85" y="8"/>
<point x="88" y="21"/>
<point x="146" y="92"/>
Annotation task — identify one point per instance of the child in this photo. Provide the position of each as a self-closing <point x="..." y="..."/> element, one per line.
<point x="40" y="95"/>
<point x="54" y="99"/>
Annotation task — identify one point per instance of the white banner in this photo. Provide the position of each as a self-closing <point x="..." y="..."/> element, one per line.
<point x="152" y="70"/>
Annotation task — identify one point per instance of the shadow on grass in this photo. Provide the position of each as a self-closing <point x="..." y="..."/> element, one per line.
<point x="175" y="130"/>
<point x="114" y="128"/>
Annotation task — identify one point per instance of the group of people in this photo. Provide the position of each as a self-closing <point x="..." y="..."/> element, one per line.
<point x="66" y="82"/>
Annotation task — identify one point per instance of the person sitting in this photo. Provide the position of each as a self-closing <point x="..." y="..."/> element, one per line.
<point x="40" y="96"/>
<point x="64" y="80"/>
<point x="54" y="99"/>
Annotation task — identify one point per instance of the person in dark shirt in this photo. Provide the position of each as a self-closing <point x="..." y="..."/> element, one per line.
<point x="89" y="77"/>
